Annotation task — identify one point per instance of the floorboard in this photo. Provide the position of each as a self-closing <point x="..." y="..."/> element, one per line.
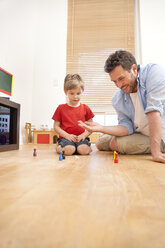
<point x="80" y="202"/>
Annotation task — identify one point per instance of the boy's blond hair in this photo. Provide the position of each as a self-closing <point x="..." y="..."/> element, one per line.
<point x="73" y="81"/>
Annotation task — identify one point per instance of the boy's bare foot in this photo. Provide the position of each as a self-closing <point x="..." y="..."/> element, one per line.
<point x="59" y="149"/>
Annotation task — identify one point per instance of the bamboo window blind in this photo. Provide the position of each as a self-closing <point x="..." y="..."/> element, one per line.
<point x="97" y="28"/>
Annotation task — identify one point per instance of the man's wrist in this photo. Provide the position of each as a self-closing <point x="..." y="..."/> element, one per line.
<point x="101" y="129"/>
<point x="155" y="153"/>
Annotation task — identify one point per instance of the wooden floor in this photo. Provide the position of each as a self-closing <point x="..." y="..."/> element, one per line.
<point x="80" y="202"/>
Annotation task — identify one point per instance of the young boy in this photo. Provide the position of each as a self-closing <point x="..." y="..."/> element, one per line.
<point x="72" y="138"/>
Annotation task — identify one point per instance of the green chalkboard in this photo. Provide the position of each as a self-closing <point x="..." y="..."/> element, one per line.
<point x="6" y="80"/>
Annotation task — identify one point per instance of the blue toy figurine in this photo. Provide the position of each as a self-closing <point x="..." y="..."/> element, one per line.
<point x="60" y="157"/>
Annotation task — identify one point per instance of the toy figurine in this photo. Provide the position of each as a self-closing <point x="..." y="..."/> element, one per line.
<point x="35" y="152"/>
<point x="63" y="154"/>
<point x="60" y="157"/>
<point x="116" y="158"/>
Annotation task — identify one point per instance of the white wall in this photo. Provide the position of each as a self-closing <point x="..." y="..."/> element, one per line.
<point x="152" y="19"/>
<point x="50" y="60"/>
<point x="33" y="48"/>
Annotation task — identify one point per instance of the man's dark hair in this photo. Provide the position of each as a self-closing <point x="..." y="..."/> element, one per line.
<point x="120" y="57"/>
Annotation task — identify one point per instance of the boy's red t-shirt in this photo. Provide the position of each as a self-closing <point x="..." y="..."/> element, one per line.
<point x="69" y="116"/>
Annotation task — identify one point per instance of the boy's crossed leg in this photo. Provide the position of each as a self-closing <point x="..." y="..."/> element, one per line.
<point x="69" y="147"/>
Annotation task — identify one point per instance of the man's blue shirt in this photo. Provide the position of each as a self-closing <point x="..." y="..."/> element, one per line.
<point x="151" y="91"/>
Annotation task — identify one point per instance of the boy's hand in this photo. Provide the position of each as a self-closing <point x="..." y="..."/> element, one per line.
<point x="81" y="137"/>
<point x="71" y="137"/>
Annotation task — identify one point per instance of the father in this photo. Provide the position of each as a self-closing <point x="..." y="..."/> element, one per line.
<point x="140" y="106"/>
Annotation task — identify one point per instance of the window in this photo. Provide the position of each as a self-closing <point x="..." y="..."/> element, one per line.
<point x="97" y="28"/>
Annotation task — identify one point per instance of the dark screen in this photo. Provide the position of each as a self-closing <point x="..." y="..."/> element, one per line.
<point x="5" y="125"/>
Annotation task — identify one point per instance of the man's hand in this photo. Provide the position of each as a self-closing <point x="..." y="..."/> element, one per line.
<point x="160" y="157"/>
<point x="90" y="126"/>
<point x="155" y="129"/>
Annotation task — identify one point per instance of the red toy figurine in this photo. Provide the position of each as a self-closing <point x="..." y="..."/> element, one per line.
<point x="116" y="158"/>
